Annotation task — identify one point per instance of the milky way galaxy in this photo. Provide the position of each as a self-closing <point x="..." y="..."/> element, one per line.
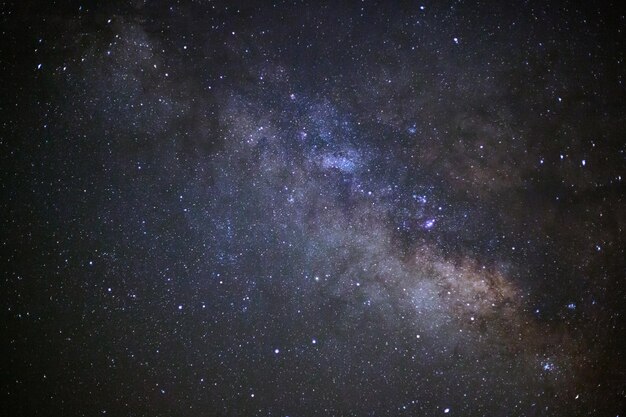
<point x="313" y="209"/>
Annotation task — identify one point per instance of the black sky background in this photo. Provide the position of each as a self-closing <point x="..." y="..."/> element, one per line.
<point x="175" y="175"/>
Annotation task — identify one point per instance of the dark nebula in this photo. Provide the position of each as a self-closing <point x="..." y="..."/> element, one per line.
<point x="395" y="208"/>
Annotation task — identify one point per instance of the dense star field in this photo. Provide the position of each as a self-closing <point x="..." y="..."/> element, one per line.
<point x="394" y="208"/>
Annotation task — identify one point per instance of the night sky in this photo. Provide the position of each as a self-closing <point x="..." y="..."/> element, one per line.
<point x="393" y="208"/>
